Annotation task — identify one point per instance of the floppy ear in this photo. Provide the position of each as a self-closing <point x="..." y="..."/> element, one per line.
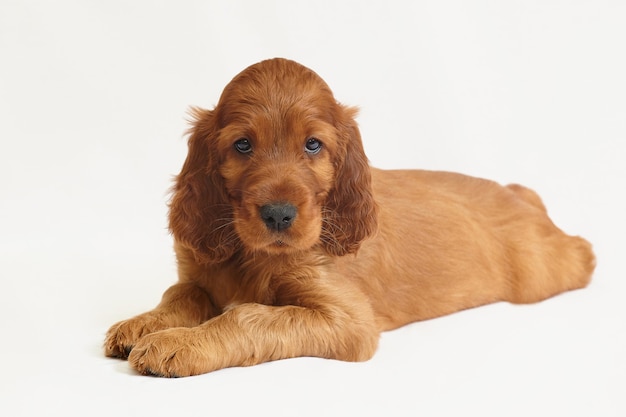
<point x="351" y="213"/>
<point x="200" y="215"/>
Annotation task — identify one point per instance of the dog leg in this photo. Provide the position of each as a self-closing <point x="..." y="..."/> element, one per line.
<point x="252" y="333"/>
<point x="183" y="305"/>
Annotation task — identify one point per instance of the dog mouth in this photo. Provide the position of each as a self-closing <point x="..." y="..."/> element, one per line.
<point x="281" y="244"/>
<point x="276" y="246"/>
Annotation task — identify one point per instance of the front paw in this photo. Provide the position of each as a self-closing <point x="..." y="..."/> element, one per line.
<point x="123" y="336"/>
<point x="171" y="353"/>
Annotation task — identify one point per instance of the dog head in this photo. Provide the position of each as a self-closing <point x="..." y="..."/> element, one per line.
<point x="278" y="166"/>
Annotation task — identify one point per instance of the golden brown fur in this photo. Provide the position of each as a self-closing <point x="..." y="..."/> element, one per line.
<point x="367" y="250"/>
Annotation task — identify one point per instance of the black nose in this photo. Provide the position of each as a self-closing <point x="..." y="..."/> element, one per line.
<point x="278" y="216"/>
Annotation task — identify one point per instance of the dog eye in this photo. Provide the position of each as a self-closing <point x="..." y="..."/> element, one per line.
<point x="313" y="146"/>
<point x="243" y="145"/>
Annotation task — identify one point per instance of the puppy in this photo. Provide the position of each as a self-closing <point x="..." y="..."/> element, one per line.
<point x="289" y="244"/>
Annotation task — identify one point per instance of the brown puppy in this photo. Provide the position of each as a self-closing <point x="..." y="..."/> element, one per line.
<point x="289" y="244"/>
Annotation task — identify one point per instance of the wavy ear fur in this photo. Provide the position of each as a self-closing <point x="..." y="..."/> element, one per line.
<point x="200" y="215"/>
<point x="351" y="212"/>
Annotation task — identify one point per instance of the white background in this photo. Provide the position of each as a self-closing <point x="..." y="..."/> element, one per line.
<point x="93" y="102"/>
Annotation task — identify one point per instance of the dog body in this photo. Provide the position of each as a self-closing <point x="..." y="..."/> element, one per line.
<point x="288" y="244"/>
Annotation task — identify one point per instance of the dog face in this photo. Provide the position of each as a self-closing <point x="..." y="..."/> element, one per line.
<point x="277" y="142"/>
<point x="281" y="167"/>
